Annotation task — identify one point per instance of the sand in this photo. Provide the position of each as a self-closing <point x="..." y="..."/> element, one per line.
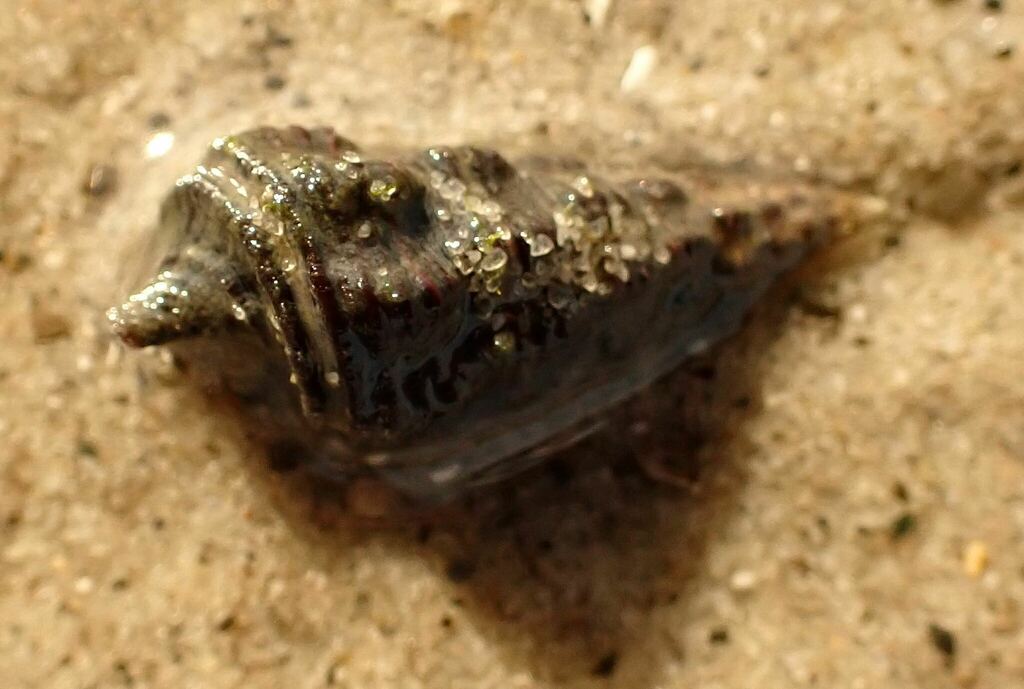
<point x="852" y="513"/>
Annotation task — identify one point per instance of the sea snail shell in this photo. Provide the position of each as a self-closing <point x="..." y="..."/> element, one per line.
<point x="442" y="312"/>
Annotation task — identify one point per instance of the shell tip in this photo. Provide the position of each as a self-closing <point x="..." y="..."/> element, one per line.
<point x="169" y="308"/>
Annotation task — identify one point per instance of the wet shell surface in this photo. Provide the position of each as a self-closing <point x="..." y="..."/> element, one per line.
<point x="440" y="314"/>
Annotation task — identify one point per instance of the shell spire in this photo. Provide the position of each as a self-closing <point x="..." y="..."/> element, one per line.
<point x="181" y="301"/>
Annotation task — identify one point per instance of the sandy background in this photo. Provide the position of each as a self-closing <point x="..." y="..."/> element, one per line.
<point x="858" y="514"/>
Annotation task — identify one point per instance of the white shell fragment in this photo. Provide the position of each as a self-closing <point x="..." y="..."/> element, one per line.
<point x="640" y="67"/>
<point x="597" y="11"/>
<point x="159" y="145"/>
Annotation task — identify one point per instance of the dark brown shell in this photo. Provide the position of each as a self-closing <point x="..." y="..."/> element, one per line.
<point x="445" y="310"/>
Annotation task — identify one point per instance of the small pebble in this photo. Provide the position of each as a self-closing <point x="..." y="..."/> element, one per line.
<point x="494" y="261"/>
<point x="975" y="558"/>
<point x="640" y="67"/>
<point x="159" y="144"/>
<point x="505" y="342"/>
<point x="48" y="325"/>
<point x="743" y="581"/>
<point x="100" y="180"/>
<point x="276" y="39"/>
<point x="542" y="245"/>
<point x="87" y="449"/>
<point x="457" y="23"/>
<point x="944" y="641"/>
<point x="159" y="120"/>
<point x="596" y="12"/>
<point x="903" y="525"/>
<point x="820" y="304"/>
<point x="14" y="261"/>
